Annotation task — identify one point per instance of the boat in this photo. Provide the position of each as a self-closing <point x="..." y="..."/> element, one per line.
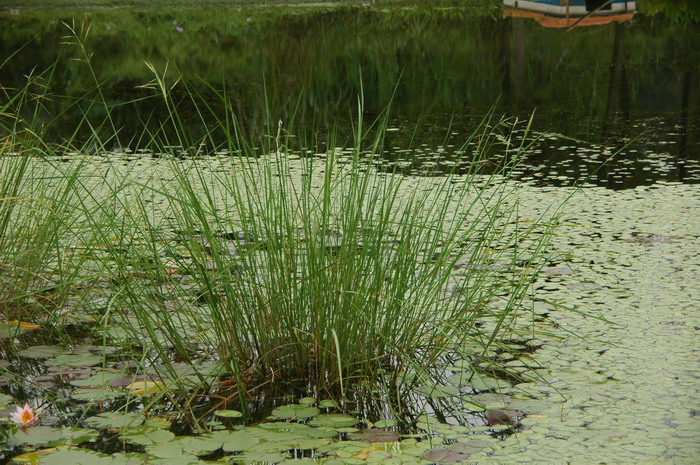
<point x="571" y="13"/>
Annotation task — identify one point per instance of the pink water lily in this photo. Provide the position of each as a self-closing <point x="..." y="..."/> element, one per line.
<point x="25" y="417"/>
<point x="172" y="268"/>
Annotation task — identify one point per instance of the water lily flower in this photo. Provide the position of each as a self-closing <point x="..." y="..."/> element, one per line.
<point x="179" y="29"/>
<point x="25" y="417"/>
<point x="172" y="268"/>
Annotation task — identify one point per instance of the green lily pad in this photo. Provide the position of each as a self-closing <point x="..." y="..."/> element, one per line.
<point x="442" y="455"/>
<point x="328" y="404"/>
<point x="118" y="420"/>
<point x="75" y="456"/>
<point x="333" y="420"/>
<point x="36" y="436"/>
<point x="101" y="378"/>
<point x="235" y="441"/>
<point x="10" y="330"/>
<point x="374" y="435"/>
<point x="147" y="436"/>
<point x="75" y="360"/>
<point x="228" y="413"/>
<point x="307" y="401"/>
<point x="41" y="351"/>
<point x="469" y="446"/>
<point x="96" y="394"/>
<point x="5" y="400"/>
<point x="295" y="411"/>
<point x="257" y="457"/>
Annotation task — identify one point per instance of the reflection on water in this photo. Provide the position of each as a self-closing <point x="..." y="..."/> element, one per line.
<point x="599" y="86"/>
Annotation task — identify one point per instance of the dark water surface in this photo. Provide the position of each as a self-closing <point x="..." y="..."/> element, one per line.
<point x="599" y="86"/>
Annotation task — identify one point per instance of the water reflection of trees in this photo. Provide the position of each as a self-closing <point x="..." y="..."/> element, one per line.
<point x="446" y="61"/>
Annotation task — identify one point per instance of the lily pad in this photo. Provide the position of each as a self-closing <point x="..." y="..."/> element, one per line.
<point x="374" y="435"/>
<point x="96" y="394"/>
<point x="228" y="413"/>
<point x="328" y="404"/>
<point x="147" y="436"/>
<point x="295" y="411"/>
<point x="41" y="351"/>
<point x="442" y="455"/>
<point x="115" y="420"/>
<point x="333" y="420"/>
<point x="235" y="441"/>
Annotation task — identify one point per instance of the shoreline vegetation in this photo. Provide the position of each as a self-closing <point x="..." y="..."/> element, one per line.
<point x="678" y="11"/>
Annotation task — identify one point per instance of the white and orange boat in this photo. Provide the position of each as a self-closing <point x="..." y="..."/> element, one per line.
<point x="571" y="13"/>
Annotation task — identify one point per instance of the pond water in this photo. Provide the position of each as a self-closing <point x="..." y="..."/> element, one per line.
<point x="594" y="90"/>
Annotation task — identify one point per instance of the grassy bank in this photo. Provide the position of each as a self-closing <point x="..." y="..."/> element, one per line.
<point x="177" y="3"/>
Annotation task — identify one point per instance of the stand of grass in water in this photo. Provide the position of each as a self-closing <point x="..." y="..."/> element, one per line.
<point x="322" y="273"/>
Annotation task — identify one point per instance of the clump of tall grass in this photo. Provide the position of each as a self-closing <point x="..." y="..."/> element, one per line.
<point x="322" y="272"/>
<point x="319" y="272"/>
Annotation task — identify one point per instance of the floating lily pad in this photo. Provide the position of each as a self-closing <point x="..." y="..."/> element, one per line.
<point x="36" y="436"/>
<point x="41" y="351"/>
<point x="374" y="435"/>
<point x="147" y="436"/>
<point x="443" y="455"/>
<point x="10" y="330"/>
<point x="295" y="411"/>
<point x="184" y="445"/>
<point x="228" y="413"/>
<point x="145" y="388"/>
<point x="5" y="400"/>
<point x="101" y="378"/>
<point x="469" y="446"/>
<point x="307" y="401"/>
<point x="328" y="404"/>
<point x="333" y="420"/>
<point x="257" y="457"/>
<point x="75" y="456"/>
<point x="75" y="360"/>
<point x="96" y="394"/>
<point x="235" y="441"/>
<point x="115" y="420"/>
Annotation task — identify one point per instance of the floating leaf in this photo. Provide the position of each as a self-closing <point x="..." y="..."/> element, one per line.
<point x="333" y="420"/>
<point x="101" y="378"/>
<point x="442" y="455"/>
<point x="374" y="435"/>
<point x="235" y="441"/>
<point x="295" y="411"/>
<point x="388" y="423"/>
<point x="116" y="420"/>
<point x="41" y="351"/>
<point x="96" y="394"/>
<point x="144" y="388"/>
<point x="36" y="436"/>
<point x="228" y="413"/>
<point x="10" y="330"/>
<point x="146" y="436"/>
<point x="256" y="457"/>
